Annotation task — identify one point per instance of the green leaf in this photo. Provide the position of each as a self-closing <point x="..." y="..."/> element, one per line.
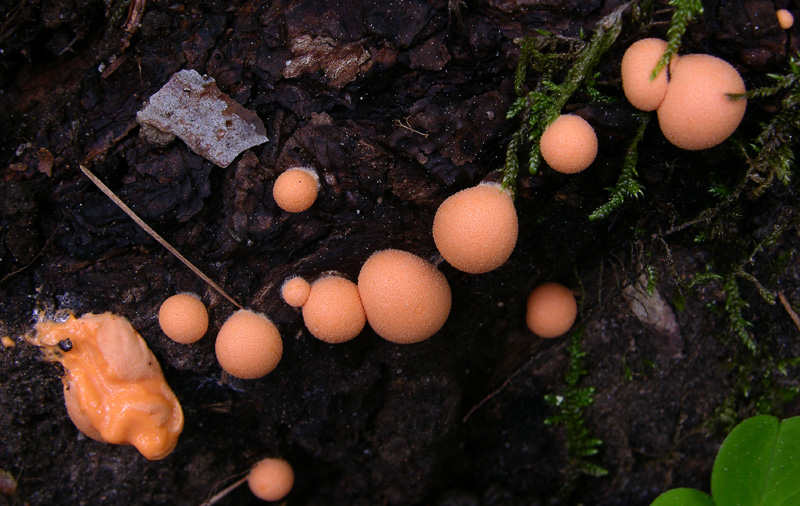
<point x="593" y="469"/>
<point x="683" y="497"/>
<point x="759" y="464"/>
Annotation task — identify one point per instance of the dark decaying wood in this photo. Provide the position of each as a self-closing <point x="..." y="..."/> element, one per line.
<point x="397" y="104"/>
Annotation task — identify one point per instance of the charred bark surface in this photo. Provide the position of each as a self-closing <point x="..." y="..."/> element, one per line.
<point x="397" y="104"/>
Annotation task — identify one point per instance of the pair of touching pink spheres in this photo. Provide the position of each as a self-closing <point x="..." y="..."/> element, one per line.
<point x="331" y="306"/>
<point x="403" y="298"/>
<point x="693" y="103"/>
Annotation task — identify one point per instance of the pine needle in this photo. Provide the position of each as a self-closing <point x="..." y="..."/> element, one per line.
<point x="227" y="490"/>
<point x="127" y="210"/>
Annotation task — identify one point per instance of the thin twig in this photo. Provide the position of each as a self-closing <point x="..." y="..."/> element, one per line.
<point x="407" y="126"/>
<point x="499" y="389"/>
<point x="10" y="15"/>
<point x="33" y="260"/>
<point x="227" y="490"/>
<point x="127" y="210"/>
<point x="788" y="307"/>
<point x="707" y="214"/>
<point x="133" y="22"/>
<point x="114" y="65"/>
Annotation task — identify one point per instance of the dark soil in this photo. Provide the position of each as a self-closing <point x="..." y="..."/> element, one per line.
<point x="459" y="418"/>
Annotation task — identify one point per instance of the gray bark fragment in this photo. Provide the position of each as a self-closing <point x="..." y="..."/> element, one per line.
<point x="656" y="314"/>
<point x="210" y="122"/>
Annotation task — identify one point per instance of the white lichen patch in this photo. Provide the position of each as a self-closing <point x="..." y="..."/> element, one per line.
<point x="210" y="122"/>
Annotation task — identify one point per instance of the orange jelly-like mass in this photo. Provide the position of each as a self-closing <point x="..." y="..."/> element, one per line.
<point x="114" y="389"/>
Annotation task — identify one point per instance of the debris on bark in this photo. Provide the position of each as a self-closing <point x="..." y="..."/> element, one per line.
<point x="8" y="485"/>
<point x="655" y="313"/>
<point x="340" y="64"/>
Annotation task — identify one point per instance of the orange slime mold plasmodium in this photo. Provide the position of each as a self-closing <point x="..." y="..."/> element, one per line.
<point x="114" y="389"/>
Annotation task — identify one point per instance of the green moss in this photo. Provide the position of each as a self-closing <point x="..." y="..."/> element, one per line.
<point x="684" y="13"/>
<point x="116" y="11"/>
<point x="734" y="308"/>
<point x="627" y="184"/>
<point x="540" y="106"/>
<point x="570" y="407"/>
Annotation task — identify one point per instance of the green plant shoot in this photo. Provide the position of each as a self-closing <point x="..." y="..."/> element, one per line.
<point x="758" y="464"/>
<point x="571" y="409"/>
<point x="685" y="11"/>
<point x="627" y="183"/>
